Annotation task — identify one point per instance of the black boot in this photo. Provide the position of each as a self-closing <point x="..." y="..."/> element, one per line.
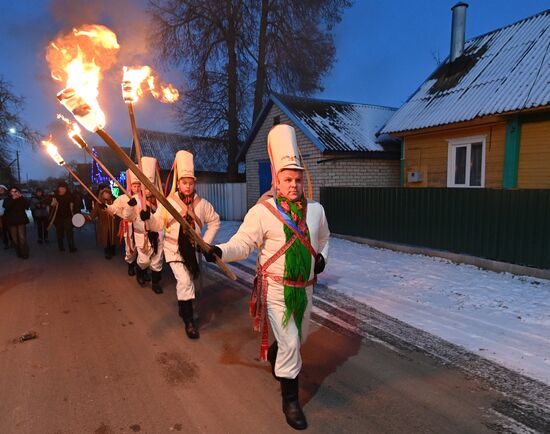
<point x="155" y="279"/>
<point x="186" y="312"/>
<point x="132" y="268"/>
<point x="140" y="275"/>
<point x="291" y="406"/>
<point x="272" y="358"/>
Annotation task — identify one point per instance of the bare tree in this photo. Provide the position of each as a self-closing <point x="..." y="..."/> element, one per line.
<point x="234" y="52"/>
<point x="12" y="128"/>
<point x="295" y="46"/>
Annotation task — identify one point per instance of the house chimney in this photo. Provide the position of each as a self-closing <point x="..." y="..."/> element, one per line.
<point x="458" y="30"/>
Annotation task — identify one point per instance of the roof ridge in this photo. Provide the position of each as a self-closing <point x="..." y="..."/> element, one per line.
<point x="546" y="11"/>
<point x="279" y="95"/>
<point x="207" y="138"/>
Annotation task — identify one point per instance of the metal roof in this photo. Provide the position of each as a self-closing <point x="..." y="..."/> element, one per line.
<point x="111" y="161"/>
<point x="336" y="126"/>
<point x="501" y="71"/>
<point x="209" y="155"/>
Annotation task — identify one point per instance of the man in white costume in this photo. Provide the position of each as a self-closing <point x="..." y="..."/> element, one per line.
<point x="179" y="249"/>
<point x="292" y="237"/>
<point x="148" y="241"/>
<point x="126" y="231"/>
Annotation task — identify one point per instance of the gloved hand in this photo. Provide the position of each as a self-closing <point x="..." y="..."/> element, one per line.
<point x="145" y="215"/>
<point x="102" y="206"/>
<point x="319" y="264"/>
<point x="132" y="202"/>
<point x="209" y="254"/>
<point x="153" y="236"/>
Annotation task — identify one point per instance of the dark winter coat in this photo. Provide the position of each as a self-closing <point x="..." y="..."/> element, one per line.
<point x="107" y="226"/>
<point x="39" y="206"/>
<point x="15" y="211"/>
<point x="64" y="205"/>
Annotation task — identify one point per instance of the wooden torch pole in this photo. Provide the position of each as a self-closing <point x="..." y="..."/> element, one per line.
<point x="81" y="182"/>
<point x="85" y="146"/>
<point x="163" y="200"/>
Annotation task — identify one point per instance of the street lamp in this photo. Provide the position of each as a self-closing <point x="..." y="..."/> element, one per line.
<point x="13" y="132"/>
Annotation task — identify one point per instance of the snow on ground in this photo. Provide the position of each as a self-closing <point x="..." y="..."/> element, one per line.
<point x="499" y="316"/>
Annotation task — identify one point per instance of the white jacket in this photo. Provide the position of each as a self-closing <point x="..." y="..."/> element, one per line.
<point x="162" y="218"/>
<point x="262" y="230"/>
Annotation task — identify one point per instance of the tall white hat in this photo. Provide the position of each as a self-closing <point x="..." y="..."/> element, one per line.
<point x="183" y="165"/>
<point x="150" y="168"/>
<point x="131" y="179"/>
<point x="283" y="149"/>
<point x="183" y="168"/>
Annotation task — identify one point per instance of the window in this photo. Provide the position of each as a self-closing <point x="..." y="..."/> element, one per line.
<point x="466" y="162"/>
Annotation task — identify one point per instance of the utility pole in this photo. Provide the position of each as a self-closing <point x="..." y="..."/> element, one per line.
<point x="18" y="168"/>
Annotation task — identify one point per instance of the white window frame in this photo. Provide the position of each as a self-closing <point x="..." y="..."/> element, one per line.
<point x="451" y="161"/>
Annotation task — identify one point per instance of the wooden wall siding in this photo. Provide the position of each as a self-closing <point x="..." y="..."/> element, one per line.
<point x="534" y="155"/>
<point x="342" y="173"/>
<point x="429" y="153"/>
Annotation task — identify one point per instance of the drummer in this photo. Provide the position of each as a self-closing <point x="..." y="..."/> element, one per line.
<point x="62" y="210"/>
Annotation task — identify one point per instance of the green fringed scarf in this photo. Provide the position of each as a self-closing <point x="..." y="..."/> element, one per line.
<point x="297" y="262"/>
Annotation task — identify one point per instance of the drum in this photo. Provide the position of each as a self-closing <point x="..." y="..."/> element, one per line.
<point x="78" y="220"/>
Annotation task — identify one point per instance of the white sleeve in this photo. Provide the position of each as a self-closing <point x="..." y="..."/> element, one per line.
<point x="156" y="222"/>
<point x="324" y="236"/>
<point x="212" y="220"/>
<point x="249" y="237"/>
<point x="131" y="213"/>
<point x="117" y="207"/>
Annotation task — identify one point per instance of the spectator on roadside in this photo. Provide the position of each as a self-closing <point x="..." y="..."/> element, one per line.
<point x="4" y="234"/>
<point x="15" y="217"/>
<point x="63" y="211"/>
<point x="40" y="211"/>
<point x="77" y="200"/>
<point x="107" y="224"/>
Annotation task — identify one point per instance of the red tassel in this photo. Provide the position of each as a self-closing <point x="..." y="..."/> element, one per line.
<point x="256" y="324"/>
<point x="263" y="351"/>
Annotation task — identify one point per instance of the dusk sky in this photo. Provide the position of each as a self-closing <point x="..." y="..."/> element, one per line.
<point x="385" y="50"/>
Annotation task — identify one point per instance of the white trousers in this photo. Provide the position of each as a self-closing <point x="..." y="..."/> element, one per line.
<point x="130" y="249"/>
<point x="147" y="258"/>
<point x="185" y="287"/>
<point x="289" y="359"/>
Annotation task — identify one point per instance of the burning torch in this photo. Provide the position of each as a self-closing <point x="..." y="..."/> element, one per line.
<point x="95" y="122"/>
<point x="73" y="131"/>
<point x="54" y="153"/>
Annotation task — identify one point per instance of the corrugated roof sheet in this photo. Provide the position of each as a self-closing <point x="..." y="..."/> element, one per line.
<point x="111" y="161"/>
<point x="339" y="126"/>
<point x="504" y="70"/>
<point x="209" y="155"/>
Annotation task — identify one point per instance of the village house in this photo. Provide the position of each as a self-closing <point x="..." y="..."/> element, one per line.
<point x="210" y="154"/>
<point x="338" y="142"/>
<point x="482" y="119"/>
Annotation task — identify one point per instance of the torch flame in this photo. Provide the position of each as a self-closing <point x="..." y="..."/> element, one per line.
<point x="73" y="131"/>
<point x="52" y="150"/>
<point x="135" y="78"/>
<point x="77" y="59"/>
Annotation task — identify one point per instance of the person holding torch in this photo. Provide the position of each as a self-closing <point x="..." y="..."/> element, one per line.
<point x="292" y="238"/>
<point x="148" y="241"/>
<point x="180" y="250"/>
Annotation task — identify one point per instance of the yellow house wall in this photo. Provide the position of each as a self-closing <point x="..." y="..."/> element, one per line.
<point x="428" y="153"/>
<point x="534" y="155"/>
